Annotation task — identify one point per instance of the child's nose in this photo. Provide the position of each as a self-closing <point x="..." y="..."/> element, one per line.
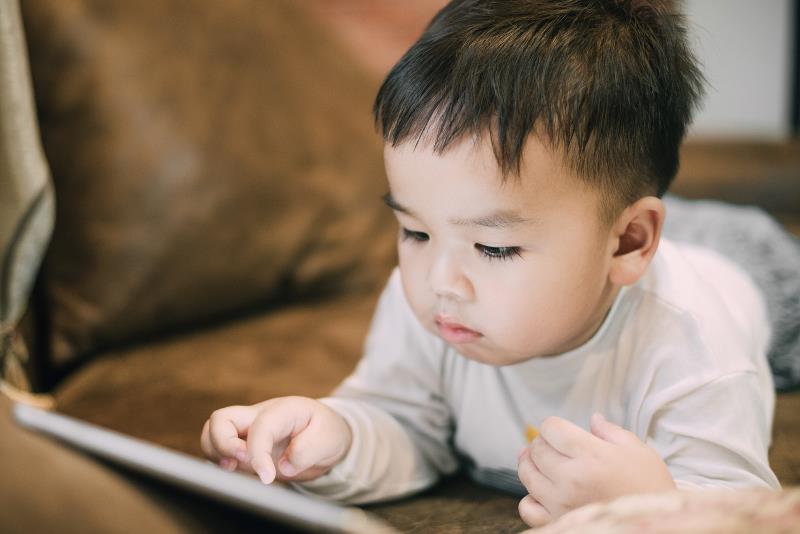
<point x="448" y="280"/>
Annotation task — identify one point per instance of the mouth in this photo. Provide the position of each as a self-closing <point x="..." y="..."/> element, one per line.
<point x="455" y="333"/>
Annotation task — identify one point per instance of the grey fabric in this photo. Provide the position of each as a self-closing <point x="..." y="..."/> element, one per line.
<point x="26" y="197"/>
<point x="760" y="246"/>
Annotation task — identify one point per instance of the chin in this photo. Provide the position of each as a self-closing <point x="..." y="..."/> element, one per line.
<point x="481" y="356"/>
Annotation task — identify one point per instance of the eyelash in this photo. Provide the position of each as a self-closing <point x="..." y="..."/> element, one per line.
<point x="490" y="253"/>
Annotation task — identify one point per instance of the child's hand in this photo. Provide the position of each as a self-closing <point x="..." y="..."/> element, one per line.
<point x="567" y="467"/>
<point x="302" y="437"/>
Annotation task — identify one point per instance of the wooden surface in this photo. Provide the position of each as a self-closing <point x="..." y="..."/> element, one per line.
<point x="784" y="455"/>
<point x="765" y="174"/>
<point x="456" y="505"/>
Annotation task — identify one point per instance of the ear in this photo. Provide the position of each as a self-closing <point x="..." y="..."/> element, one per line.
<point x="634" y="240"/>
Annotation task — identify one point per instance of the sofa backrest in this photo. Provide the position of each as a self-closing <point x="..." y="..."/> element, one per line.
<point x="209" y="159"/>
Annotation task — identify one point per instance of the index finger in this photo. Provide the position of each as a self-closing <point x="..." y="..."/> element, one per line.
<point x="566" y="437"/>
<point x="275" y="423"/>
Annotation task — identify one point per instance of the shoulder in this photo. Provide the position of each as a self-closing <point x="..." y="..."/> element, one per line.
<point x="696" y="279"/>
<point x="696" y="317"/>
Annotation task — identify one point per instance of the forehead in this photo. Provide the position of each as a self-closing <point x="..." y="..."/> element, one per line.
<point x="468" y="156"/>
<point x="467" y="176"/>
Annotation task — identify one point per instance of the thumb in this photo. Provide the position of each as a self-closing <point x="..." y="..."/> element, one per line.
<point x="608" y="431"/>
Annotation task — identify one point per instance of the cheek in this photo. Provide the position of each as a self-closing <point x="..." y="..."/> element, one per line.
<point x="513" y="300"/>
<point x="536" y="303"/>
<point x="413" y="275"/>
<point x="411" y="266"/>
<point x="583" y="282"/>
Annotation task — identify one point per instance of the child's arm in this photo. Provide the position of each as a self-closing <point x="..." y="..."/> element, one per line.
<point x="718" y="435"/>
<point x="384" y="434"/>
<point x="395" y="405"/>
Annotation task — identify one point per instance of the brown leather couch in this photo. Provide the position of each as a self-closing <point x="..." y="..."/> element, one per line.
<point x="219" y="239"/>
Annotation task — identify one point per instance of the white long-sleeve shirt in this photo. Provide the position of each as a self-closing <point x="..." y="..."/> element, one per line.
<point x="679" y="360"/>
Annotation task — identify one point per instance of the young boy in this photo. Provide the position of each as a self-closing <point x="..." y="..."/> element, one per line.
<point x="528" y="144"/>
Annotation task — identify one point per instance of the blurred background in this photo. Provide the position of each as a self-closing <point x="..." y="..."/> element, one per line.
<point x="749" y="55"/>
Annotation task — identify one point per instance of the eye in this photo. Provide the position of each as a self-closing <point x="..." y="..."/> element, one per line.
<point x="498" y="253"/>
<point x="419" y="237"/>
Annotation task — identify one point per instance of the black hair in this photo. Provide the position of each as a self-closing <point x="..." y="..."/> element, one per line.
<point x="612" y="84"/>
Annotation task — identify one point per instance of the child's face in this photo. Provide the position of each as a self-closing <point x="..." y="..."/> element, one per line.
<point x="504" y="273"/>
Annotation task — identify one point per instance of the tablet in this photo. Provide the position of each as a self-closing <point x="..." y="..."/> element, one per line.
<point x="241" y="490"/>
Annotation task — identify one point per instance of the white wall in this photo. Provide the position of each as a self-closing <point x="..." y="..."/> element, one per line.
<point x="745" y="47"/>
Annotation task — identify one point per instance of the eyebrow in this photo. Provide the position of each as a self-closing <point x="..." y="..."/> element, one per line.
<point x="496" y="219"/>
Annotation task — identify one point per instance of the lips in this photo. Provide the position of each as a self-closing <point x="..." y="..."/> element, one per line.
<point x="455" y="333"/>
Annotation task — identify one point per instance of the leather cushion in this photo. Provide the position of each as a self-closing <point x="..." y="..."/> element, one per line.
<point x="39" y="485"/>
<point x="208" y="158"/>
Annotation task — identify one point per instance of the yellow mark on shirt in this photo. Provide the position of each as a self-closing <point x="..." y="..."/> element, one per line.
<point x="530" y="433"/>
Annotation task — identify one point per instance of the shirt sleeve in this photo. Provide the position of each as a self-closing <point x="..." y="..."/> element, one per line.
<point x="393" y="402"/>
<point x="717" y="435"/>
